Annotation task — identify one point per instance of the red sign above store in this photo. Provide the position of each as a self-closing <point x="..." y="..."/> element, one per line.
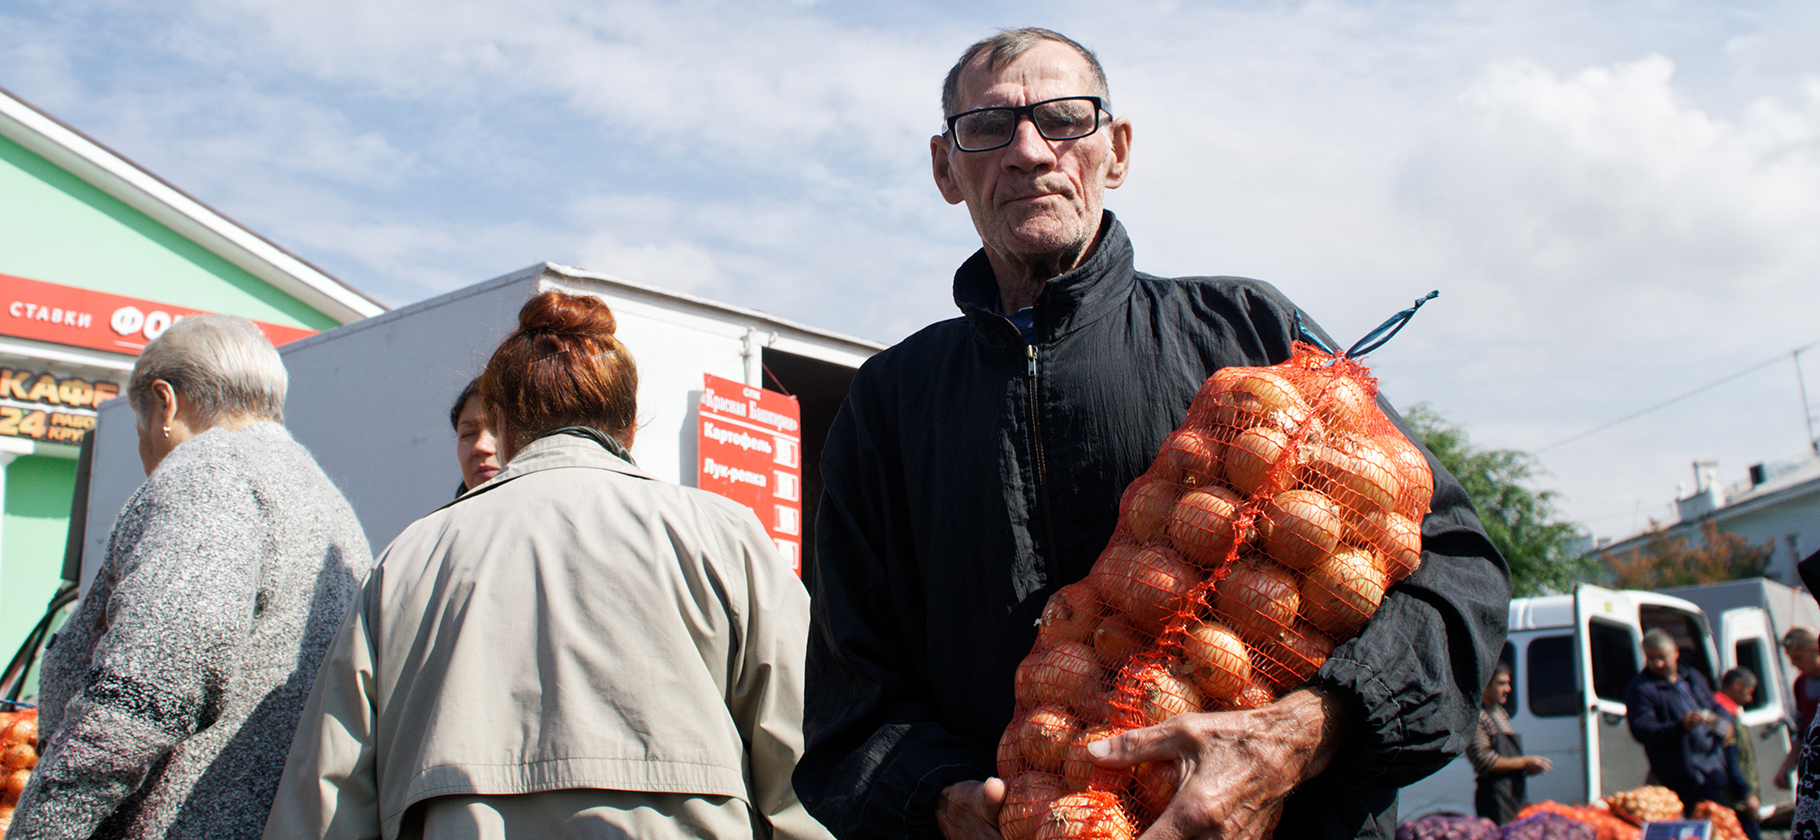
<point x="97" y="320"/>
<point x="751" y="451"/>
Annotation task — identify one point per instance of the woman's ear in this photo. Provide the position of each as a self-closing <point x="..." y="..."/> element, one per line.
<point x="166" y="412"/>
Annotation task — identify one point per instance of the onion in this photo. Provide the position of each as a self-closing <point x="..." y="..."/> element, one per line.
<point x="1252" y="458"/>
<point x="1027" y="802"/>
<point x="1343" y="402"/>
<point x="1355" y="472"/>
<point x="1146" y="583"/>
<point x="1117" y="641"/>
<point x="1340" y="595"/>
<point x="1063" y="673"/>
<point x="1304" y="528"/>
<point x="1044" y="737"/>
<point x="1258" y="598"/>
<point x="1418" y="478"/>
<point x="1088" y="815"/>
<point x="1078" y="770"/>
<point x="1218" y="663"/>
<point x="1293" y="656"/>
<point x="1394" y="538"/>
<point x="1144" y="509"/>
<point x="15" y="784"/>
<point x="1071" y="615"/>
<point x="1188" y="457"/>
<point x="1254" y="696"/>
<point x="1155" y="784"/>
<point x="1202" y="525"/>
<point x="1163" y="695"/>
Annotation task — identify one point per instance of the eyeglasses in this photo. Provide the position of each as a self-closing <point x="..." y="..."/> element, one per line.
<point x="1064" y="118"/>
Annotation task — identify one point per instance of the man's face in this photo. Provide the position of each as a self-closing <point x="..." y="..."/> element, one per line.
<point x="1805" y="658"/>
<point x="1498" y="690"/>
<point x="475" y="446"/>
<point x="1035" y="201"/>
<point x="1661" y="661"/>
<point x="1740" y="691"/>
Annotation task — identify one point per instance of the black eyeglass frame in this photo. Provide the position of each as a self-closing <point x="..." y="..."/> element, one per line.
<point x="1023" y="112"/>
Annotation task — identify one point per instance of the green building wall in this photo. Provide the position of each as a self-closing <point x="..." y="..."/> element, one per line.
<point x="56" y="228"/>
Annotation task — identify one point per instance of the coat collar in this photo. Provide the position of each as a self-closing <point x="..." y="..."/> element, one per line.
<point x="1067" y="303"/>
<point x="558" y="452"/>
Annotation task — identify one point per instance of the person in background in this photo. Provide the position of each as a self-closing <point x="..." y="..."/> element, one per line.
<point x="1736" y="687"/>
<point x="1806" y="822"/>
<point x="169" y="697"/>
<point x="1802" y="645"/>
<point x="573" y="649"/>
<point x="1496" y="753"/>
<point x="1671" y="712"/>
<point x="475" y="447"/>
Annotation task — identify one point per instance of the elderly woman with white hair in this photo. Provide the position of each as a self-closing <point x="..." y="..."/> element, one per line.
<point x="169" y="698"/>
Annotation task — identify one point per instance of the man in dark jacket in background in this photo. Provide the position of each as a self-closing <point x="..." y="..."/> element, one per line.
<point x="1671" y="712"/>
<point x="976" y="467"/>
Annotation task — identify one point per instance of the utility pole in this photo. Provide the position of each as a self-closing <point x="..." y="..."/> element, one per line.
<point x="1807" y="410"/>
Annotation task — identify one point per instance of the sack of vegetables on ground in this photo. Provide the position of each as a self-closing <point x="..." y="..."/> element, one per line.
<point x="1265" y="532"/>
<point x="18" y="755"/>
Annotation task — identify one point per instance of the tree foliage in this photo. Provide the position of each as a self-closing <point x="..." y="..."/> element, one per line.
<point x="1542" y="550"/>
<point x="1665" y="560"/>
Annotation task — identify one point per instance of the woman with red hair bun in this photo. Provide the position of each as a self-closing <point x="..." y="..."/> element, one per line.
<point x="573" y="649"/>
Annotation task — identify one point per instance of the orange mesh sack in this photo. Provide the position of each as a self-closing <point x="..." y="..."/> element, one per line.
<point x="1725" y="820"/>
<point x="1266" y="531"/>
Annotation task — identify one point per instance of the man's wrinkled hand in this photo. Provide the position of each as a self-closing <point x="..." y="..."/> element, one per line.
<point x="969" y="810"/>
<point x="1237" y="767"/>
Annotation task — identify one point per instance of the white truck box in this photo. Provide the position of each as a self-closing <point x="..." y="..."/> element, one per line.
<point x="371" y="399"/>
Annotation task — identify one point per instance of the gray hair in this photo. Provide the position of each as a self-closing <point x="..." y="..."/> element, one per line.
<point x="220" y="365"/>
<point x="1009" y="45"/>
<point x="1740" y="675"/>
<point x="1658" y="639"/>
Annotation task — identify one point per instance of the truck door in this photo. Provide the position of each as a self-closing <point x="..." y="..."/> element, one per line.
<point x="1610" y="657"/>
<point x="1746" y="642"/>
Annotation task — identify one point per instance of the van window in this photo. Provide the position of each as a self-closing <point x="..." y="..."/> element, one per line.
<point x="1750" y="656"/>
<point x="1690" y="635"/>
<point x="1553" y="689"/>
<point x="1614" y="658"/>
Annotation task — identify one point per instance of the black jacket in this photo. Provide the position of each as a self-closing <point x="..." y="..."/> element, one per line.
<point x="969" y="475"/>
<point x="1686" y="761"/>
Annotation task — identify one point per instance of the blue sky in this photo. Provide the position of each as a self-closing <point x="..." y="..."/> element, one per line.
<point x="1618" y="200"/>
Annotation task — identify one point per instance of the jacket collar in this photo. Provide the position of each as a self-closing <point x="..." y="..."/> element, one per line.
<point x="1067" y="303"/>
<point x="554" y="452"/>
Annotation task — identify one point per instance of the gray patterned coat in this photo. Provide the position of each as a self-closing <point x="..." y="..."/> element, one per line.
<point x="169" y="697"/>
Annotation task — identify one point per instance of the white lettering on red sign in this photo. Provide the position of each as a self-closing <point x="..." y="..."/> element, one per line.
<point x="128" y="320"/>
<point x="50" y="314"/>
<point x="735" y="438"/>
<point x="733" y="474"/>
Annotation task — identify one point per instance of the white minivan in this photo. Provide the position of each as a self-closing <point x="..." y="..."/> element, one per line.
<point x="1571" y="658"/>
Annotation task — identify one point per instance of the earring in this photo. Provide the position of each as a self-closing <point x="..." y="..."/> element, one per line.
<point x="167" y="431"/>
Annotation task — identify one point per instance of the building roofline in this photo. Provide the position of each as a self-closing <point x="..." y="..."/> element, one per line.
<point x="112" y="173"/>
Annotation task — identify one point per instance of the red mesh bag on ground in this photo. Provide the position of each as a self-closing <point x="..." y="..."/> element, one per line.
<point x="1265" y="532"/>
<point x="1606" y="826"/>
<point x="1725" y="820"/>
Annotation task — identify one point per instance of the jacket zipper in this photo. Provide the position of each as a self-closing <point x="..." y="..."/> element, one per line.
<point x="1036" y="446"/>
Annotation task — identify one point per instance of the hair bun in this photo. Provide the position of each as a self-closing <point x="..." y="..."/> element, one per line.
<point x="562" y="314"/>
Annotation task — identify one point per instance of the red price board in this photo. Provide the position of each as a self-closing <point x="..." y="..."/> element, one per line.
<point x="81" y="318"/>
<point x="751" y="451"/>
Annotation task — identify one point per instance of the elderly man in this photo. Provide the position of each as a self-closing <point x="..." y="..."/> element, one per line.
<point x="1803" y="649"/>
<point x="1671" y="712"/>
<point x="977" y="467"/>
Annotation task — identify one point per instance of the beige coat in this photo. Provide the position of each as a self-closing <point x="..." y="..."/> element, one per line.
<point x="571" y="625"/>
